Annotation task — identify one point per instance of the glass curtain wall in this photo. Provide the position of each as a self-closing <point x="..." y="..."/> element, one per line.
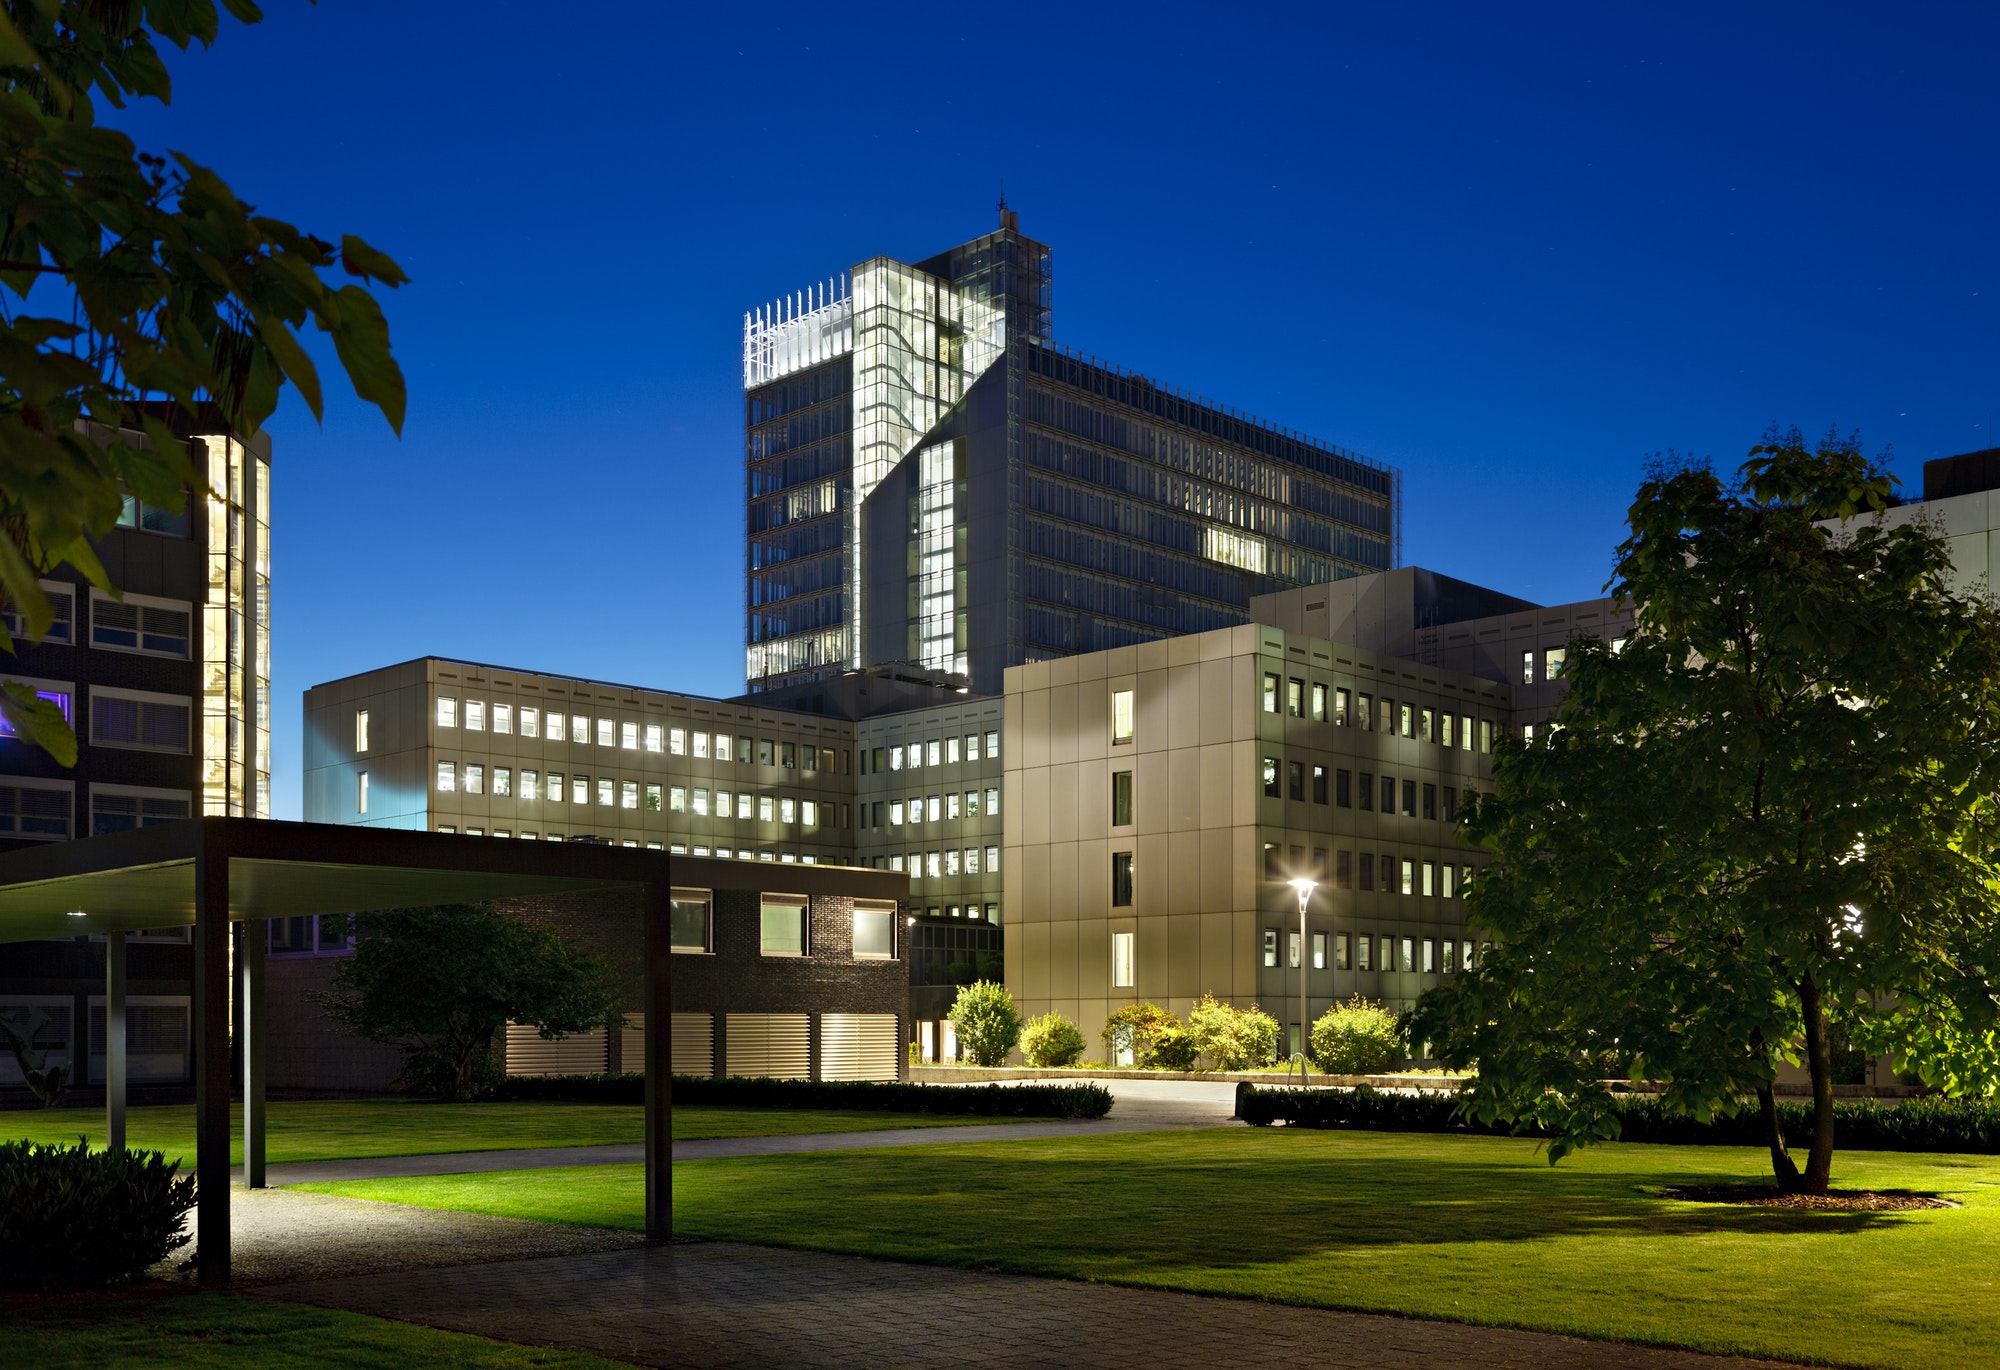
<point x="236" y="633"/>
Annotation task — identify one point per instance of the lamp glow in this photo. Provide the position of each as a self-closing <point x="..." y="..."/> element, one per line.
<point x="78" y="913"/>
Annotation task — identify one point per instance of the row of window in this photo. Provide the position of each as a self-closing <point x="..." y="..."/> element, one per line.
<point x="506" y="719"/>
<point x="1389" y="873"/>
<point x="1344" y="708"/>
<point x="474" y="777"/>
<point x="940" y="752"/>
<point x="135" y="720"/>
<point x="938" y="864"/>
<point x="676" y="848"/>
<point x="919" y="808"/>
<point x="135" y="623"/>
<point x="41" y="809"/>
<point x="1412" y="799"/>
<point x="1367" y="951"/>
<point x="784" y="926"/>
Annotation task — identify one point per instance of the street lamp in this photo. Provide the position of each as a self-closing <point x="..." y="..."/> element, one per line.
<point x="1305" y="888"/>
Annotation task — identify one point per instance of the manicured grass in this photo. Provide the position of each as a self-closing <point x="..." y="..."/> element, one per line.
<point x="1478" y="1229"/>
<point x="235" y="1332"/>
<point x="323" y="1130"/>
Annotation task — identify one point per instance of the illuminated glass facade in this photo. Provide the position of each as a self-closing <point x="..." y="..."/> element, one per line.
<point x="235" y="749"/>
<point x="932" y="479"/>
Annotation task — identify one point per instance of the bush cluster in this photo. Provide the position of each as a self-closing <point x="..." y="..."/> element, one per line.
<point x="1232" y="1038"/>
<point x="1929" y="1123"/>
<point x="1356" y="1038"/>
<point x="73" y="1218"/>
<point x="1138" y="1028"/>
<point x="1052" y="1040"/>
<point x="1029" y="1100"/>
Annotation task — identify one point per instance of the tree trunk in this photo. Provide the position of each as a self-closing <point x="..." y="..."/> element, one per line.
<point x="1774" y="1135"/>
<point x="1819" y="1060"/>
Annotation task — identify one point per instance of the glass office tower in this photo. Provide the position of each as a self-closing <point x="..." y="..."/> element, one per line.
<point x="932" y="479"/>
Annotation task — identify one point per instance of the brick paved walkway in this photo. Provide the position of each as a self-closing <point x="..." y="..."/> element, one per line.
<point x="717" y="1304"/>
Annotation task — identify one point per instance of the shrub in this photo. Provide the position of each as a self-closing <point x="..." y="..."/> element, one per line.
<point x="1232" y="1038"/>
<point x="1356" y="1038"/>
<point x="73" y="1218"/>
<point x="1051" y="1040"/>
<point x="1029" y="1100"/>
<point x="1174" y="1049"/>
<point x="987" y="1022"/>
<point x="1136" y="1028"/>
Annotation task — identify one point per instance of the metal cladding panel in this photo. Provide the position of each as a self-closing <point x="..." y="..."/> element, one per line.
<point x="857" y="1046"/>
<point x="771" y="1045"/>
<point x="694" y="1043"/>
<point x="528" y="1054"/>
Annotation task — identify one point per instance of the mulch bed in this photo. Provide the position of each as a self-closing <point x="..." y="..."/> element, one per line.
<point x="1839" y="1200"/>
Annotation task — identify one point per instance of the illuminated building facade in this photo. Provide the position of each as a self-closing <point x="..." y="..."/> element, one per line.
<point x="932" y="479"/>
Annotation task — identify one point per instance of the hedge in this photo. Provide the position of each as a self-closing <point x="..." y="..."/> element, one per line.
<point x="992" y="1100"/>
<point x="1927" y="1123"/>
<point x="73" y="1218"/>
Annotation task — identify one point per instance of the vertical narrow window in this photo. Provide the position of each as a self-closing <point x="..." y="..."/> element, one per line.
<point x="993" y="863"/>
<point x="1121" y="799"/>
<point x="1341" y="952"/>
<point x="1270" y="693"/>
<point x="1367" y="872"/>
<point x="1271" y="777"/>
<point x="1270" y="948"/>
<point x="1445" y="958"/>
<point x="1121" y="879"/>
<point x="1409" y="875"/>
<point x="361" y="792"/>
<point x="1366" y="947"/>
<point x="503" y="781"/>
<point x="1295" y="780"/>
<point x="993" y="738"/>
<point x="1447" y="730"/>
<point x="951" y="751"/>
<point x="700" y="744"/>
<point x="653" y="800"/>
<point x="1528" y="668"/>
<point x="607" y="732"/>
<point x="1364" y="712"/>
<point x="1319" y="951"/>
<point x="1430" y="879"/>
<point x="447" y="777"/>
<point x="1295" y="697"/>
<point x="447" y="715"/>
<point x="1553" y="661"/>
<point x="531" y="722"/>
<point x="1343" y="789"/>
<point x="1319" y="785"/>
<point x="475" y="715"/>
<point x="1486" y="735"/>
<point x="1367" y="792"/>
<point x="1388" y="794"/>
<point x="936" y="753"/>
<point x="579" y="730"/>
<point x="360" y="731"/>
<point x="628" y="795"/>
<point x="1450" y="804"/>
<point x="767" y="809"/>
<point x="1319" y="702"/>
<point x="503" y="718"/>
<point x="1409" y="962"/>
<point x="1430" y="801"/>
<point x="1121" y="716"/>
<point x="628" y="736"/>
<point x="1385" y="717"/>
<point x="555" y="790"/>
<point x="1409" y="799"/>
<point x="1447" y="883"/>
<point x="579" y="789"/>
<point x="688" y="920"/>
<point x="531" y="785"/>
<point x="1430" y="956"/>
<point x="1340" y="698"/>
<point x="1408" y="720"/>
<point x="607" y="793"/>
<point x="1427" y="725"/>
<point x="677" y="799"/>
<point x="1291" y="950"/>
<point x="1343" y="871"/>
<point x="1121" y="960"/>
<point x="1273" y="862"/>
<point x="1465" y="734"/>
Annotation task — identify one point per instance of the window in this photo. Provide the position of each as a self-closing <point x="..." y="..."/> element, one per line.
<point x="951" y="861"/>
<point x="993" y="801"/>
<point x="787" y="809"/>
<point x="809" y="813"/>
<point x="788" y="755"/>
<point x="1340" y="700"/>
<point x="1343" y="788"/>
<point x="1407" y="714"/>
<point x="1270" y="777"/>
<point x="360" y="731"/>
<point x="936" y="754"/>
<point x="1121" y="960"/>
<point x="1121" y="880"/>
<point x="503" y="781"/>
<point x="1445" y="957"/>
<point x="993" y="737"/>
<point x="1450" y="804"/>
<point x="1409" y="799"/>
<point x="700" y="742"/>
<point x="993" y="860"/>
<point x="447" y="714"/>
<point x="895" y="813"/>
<point x="1291" y="951"/>
<point x="1319" y="951"/>
<point x="555" y="790"/>
<point x="1553" y="661"/>
<point x="139" y="720"/>
<point x="475" y="715"/>
<point x="951" y="805"/>
<point x="874" y="930"/>
<point x="138" y="623"/>
<point x="628" y="795"/>
<point x="1430" y="801"/>
<point x="475" y="779"/>
<point x="628" y="736"/>
<point x="767" y="753"/>
<point x="1295" y="780"/>
<point x="1319" y="864"/>
<point x="361" y="792"/>
<point x="1270" y="948"/>
<point x="1121" y="799"/>
<point x="607" y="793"/>
<point x="1465" y="734"/>
<point x="1270" y="695"/>
<point x="933" y="864"/>
<point x="153" y="519"/>
<point x="579" y="730"/>
<point x="700" y="802"/>
<point x="447" y="777"/>
<point x="1388" y="794"/>
<point x="1366" y="948"/>
<point x="1319" y="702"/>
<point x="745" y="802"/>
<point x="1409" y="962"/>
<point x="1528" y="668"/>
<point x="1447" y="729"/>
<point x="1343" y="869"/>
<point x="972" y="746"/>
<point x="783" y="925"/>
<point x="1295" y="697"/>
<point x="1427" y="725"/>
<point x="688" y="920"/>
<point x="1272" y="862"/>
<point x="1368" y="870"/>
<point x="677" y="799"/>
<point x="972" y="803"/>
<point x="1386" y="716"/>
<point x="1121" y="717"/>
<point x="531" y="722"/>
<point x="1486" y="735"/>
<point x="530" y="785"/>
<point x="766" y="809"/>
<point x="1409" y="874"/>
<point x="607" y="732"/>
<point x="503" y="718"/>
<point x="1430" y="879"/>
<point x="1319" y="785"/>
<point x="742" y="750"/>
<point x="62" y="601"/>
<point x="951" y="751"/>
<point x="1367" y="792"/>
<point x="1447" y="881"/>
<point x="120" y="808"/>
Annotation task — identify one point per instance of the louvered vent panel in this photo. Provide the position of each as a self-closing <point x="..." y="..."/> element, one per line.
<point x="857" y="1046"/>
<point x="528" y="1054"/>
<point x="694" y="1043"/>
<point x="769" y="1044"/>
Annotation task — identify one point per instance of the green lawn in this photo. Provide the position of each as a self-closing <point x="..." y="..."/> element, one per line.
<point x="1477" y="1229"/>
<point x="323" y="1130"/>
<point x="234" y="1332"/>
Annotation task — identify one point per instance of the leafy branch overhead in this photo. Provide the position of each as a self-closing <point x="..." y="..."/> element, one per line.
<point x="132" y="284"/>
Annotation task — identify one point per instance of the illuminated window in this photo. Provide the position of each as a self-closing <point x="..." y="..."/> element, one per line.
<point x="475" y="715"/>
<point x="579" y="730"/>
<point x="607" y="732"/>
<point x="1528" y="668"/>
<point x="555" y="790"/>
<point x="607" y="793"/>
<point x="447" y="714"/>
<point x="1121" y="960"/>
<point x="531" y="723"/>
<point x="1121" y="879"/>
<point x="1340" y="702"/>
<point x="360" y="730"/>
<point x="447" y="777"/>
<point x="503" y="781"/>
<point x="531" y="785"/>
<point x="677" y="799"/>
<point x="579" y="789"/>
<point x="936" y="753"/>
<point x="475" y="779"/>
<point x="972" y="746"/>
<point x="1553" y="661"/>
<point x="1319" y="702"/>
<point x="700" y="743"/>
<point x="1295" y="697"/>
<point x="653" y="799"/>
<point x="628" y="736"/>
<point x="766" y="809"/>
<point x="1270" y="695"/>
<point x="628" y="795"/>
<point x="361" y="792"/>
<point x="1121" y="716"/>
<point x="503" y="718"/>
<point x="787" y="809"/>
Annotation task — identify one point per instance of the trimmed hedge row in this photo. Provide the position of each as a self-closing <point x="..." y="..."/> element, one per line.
<point x="73" y="1218"/>
<point x="1928" y="1123"/>
<point x="992" y="1100"/>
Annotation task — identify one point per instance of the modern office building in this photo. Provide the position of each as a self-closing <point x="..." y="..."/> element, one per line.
<point x="931" y="478"/>
<point x="1159" y="798"/>
<point x="167" y="683"/>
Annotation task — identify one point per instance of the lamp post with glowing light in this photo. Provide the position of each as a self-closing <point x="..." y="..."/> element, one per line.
<point x="1305" y="888"/>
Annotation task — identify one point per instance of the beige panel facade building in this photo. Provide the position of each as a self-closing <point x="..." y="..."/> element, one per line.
<point x="1159" y="798"/>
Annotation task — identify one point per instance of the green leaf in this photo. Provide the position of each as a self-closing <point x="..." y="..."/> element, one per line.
<point x="361" y="260"/>
<point x="361" y="337"/>
<point x="38" y="721"/>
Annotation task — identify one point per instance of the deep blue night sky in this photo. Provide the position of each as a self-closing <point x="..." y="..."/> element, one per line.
<point x="1512" y="251"/>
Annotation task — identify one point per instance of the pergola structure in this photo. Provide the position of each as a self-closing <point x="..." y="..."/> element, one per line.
<point x="212" y="873"/>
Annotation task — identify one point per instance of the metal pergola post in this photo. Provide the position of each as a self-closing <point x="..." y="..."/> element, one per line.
<point x="252" y="937"/>
<point x="211" y="1064"/>
<point x="659" y="1007"/>
<point x="114" y="1040"/>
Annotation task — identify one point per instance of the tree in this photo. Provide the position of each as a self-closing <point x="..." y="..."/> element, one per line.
<point x="1357" y="1038"/>
<point x="1768" y="814"/>
<point x="1051" y="1040"/>
<point x="986" y="1021"/>
<point x="440" y="983"/>
<point x="133" y="284"/>
<point x="1137" y="1028"/>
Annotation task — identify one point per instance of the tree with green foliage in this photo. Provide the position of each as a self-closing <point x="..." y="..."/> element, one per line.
<point x="986" y="1021"/>
<point x="133" y="285"/>
<point x="1767" y="814"/>
<point x="1051" y="1040"/>
<point x="1359" y="1037"/>
<point x="1233" y="1038"/>
<point x="440" y="984"/>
